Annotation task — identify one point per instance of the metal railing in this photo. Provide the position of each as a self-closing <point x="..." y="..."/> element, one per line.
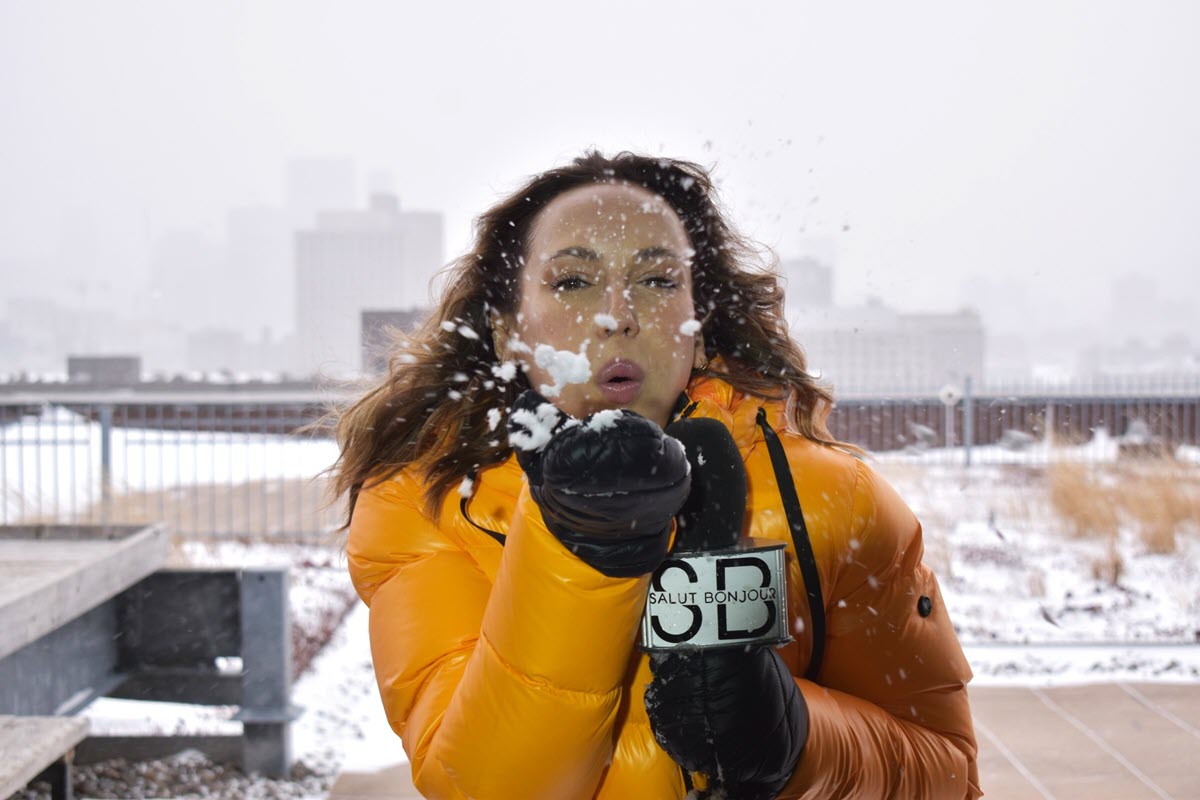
<point x="1035" y="424"/>
<point x="203" y="464"/>
<point x="213" y="463"/>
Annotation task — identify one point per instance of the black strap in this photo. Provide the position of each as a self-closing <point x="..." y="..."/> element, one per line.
<point x="462" y="506"/>
<point x="804" y="551"/>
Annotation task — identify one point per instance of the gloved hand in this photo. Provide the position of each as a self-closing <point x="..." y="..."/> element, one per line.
<point x="734" y="714"/>
<point x="608" y="485"/>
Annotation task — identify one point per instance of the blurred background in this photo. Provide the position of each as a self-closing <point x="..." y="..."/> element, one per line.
<point x="212" y="215"/>
<point x="178" y="181"/>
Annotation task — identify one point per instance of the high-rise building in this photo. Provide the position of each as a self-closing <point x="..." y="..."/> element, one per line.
<point x="809" y="283"/>
<point x="352" y="261"/>
<point x="874" y="349"/>
<point x="189" y="280"/>
<point x="259" y="251"/>
<point x="318" y="184"/>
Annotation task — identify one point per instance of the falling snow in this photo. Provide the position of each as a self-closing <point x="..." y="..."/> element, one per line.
<point x="607" y="320"/>
<point x="506" y="371"/>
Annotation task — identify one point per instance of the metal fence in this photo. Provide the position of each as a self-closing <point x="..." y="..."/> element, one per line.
<point x="239" y="465"/>
<point x="1034" y="424"/>
<point x="207" y="464"/>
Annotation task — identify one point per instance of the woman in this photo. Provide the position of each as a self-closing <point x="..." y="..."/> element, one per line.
<point x="506" y="586"/>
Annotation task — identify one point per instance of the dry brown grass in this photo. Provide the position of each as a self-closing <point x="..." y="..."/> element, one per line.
<point x="1163" y="502"/>
<point x="1080" y="500"/>
<point x="1160" y="500"/>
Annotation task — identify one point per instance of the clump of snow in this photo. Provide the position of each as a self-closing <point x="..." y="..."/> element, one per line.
<point x="690" y="327"/>
<point x="467" y="332"/>
<point x="604" y="420"/>
<point x="564" y="367"/>
<point x="517" y="346"/>
<point x="447" y="325"/>
<point x="493" y="417"/>
<point x="537" y="426"/>
<point x="466" y="487"/>
<point x="607" y="320"/>
<point x="506" y="371"/>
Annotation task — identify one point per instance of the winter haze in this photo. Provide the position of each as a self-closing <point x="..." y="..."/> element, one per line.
<point x="1036" y="161"/>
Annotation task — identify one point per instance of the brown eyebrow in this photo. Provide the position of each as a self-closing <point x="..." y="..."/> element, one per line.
<point x="591" y="255"/>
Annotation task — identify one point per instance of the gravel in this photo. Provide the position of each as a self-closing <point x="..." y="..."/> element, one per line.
<point x="184" y="776"/>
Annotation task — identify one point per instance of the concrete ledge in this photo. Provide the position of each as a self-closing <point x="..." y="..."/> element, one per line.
<point x="50" y="575"/>
<point x="30" y="744"/>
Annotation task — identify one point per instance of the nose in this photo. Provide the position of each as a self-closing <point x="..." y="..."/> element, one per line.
<point x="620" y="311"/>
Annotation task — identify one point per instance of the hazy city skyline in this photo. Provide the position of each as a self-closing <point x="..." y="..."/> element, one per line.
<point x="1025" y="159"/>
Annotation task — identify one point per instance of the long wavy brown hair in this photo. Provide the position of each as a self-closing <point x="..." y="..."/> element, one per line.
<point x="431" y="408"/>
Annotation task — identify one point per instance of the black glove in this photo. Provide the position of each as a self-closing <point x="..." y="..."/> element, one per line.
<point x="608" y="486"/>
<point x="734" y="714"/>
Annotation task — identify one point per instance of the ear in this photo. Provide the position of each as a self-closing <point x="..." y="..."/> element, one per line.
<point x="501" y="328"/>
<point x="699" y="357"/>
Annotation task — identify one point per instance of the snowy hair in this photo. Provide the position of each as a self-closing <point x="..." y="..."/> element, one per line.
<point x="431" y="408"/>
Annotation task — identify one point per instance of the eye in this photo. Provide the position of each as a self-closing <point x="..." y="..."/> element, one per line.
<point x="568" y="282"/>
<point x="662" y="281"/>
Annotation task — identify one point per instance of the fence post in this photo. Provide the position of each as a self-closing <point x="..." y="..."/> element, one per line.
<point x="968" y="420"/>
<point x="106" y="424"/>
<point x="1049" y="422"/>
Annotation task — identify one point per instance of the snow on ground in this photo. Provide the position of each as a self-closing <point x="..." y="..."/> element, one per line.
<point x="1035" y="604"/>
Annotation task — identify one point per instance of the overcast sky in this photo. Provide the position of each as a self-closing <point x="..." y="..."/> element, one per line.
<point x="1021" y="156"/>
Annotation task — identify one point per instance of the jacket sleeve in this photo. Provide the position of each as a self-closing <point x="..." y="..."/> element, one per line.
<point x="500" y="691"/>
<point x="889" y="717"/>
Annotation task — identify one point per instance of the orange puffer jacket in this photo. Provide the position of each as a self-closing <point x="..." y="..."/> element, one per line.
<point x="509" y="668"/>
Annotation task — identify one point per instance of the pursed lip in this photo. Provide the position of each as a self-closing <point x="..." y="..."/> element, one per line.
<point x="620" y="368"/>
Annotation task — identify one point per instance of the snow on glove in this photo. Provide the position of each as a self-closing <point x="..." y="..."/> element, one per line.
<point x="734" y="714"/>
<point x="608" y="485"/>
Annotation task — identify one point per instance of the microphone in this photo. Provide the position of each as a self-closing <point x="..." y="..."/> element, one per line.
<point x="715" y="588"/>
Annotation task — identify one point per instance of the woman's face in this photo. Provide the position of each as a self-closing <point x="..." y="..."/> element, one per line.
<point x="609" y="265"/>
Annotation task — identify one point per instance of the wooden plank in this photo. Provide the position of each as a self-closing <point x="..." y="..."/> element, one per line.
<point x="1179" y="703"/>
<point x="1057" y="755"/>
<point x="47" y="580"/>
<point x="1001" y="772"/>
<point x="30" y="744"/>
<point x="1159" y="754"/>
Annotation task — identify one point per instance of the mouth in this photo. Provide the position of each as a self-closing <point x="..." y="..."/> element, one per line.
<point x="620" y="380"/>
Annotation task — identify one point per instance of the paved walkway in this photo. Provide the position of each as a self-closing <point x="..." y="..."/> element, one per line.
<point x="1096" y="742"/>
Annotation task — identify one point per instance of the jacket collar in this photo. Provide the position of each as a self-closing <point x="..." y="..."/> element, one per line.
<point x="714" y="397"/>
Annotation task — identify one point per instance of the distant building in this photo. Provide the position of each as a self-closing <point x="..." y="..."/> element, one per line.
<point x="318" y="184"/>
<point x="259" y="253"/>
<point x="351" y="261"/>
<point x="1175" y="355"/>
<point x="105" y="371"/>
<point x="226" y="350"/>
<point x="809" y="283"/>
<point x="875" y="349"/>
<point x="190" y="281"/>
<point x="377" y="335"/>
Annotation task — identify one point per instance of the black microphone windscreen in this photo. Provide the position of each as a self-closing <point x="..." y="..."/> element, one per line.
<point x="712" y="517"/>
